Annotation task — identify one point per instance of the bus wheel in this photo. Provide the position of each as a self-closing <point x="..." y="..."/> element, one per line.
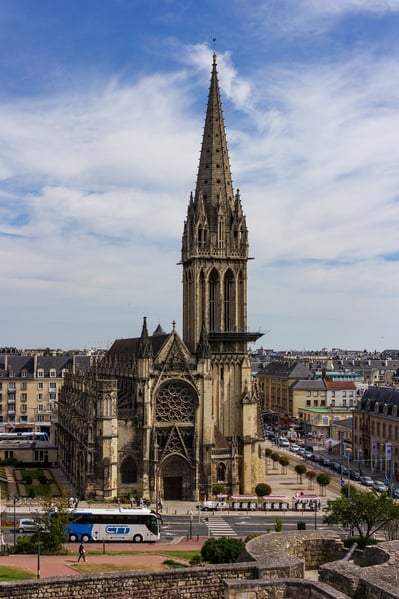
<point x="85" y="538"/>
<point x="73" y="538"/>
<point x="137" y="539"/>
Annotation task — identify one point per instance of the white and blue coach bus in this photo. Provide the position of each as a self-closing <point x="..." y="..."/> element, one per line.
<point x="136" y="525"/>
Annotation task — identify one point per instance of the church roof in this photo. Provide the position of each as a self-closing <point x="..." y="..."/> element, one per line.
<point x="129" y="348"/>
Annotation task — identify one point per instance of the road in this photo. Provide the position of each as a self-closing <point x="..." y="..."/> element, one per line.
<point x="238" y="524"/>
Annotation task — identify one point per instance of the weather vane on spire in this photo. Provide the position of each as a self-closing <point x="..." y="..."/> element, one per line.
<point x="214" y="43"/>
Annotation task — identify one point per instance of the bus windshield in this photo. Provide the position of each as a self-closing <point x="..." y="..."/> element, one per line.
<point x="136" y="525"/>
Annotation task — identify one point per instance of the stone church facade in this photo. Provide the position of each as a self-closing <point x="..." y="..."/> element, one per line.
<point x="168" y="416"/>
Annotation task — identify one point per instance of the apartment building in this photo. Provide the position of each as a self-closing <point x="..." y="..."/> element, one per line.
<point x="29" y="387"/>
<point x="376" y="430"/>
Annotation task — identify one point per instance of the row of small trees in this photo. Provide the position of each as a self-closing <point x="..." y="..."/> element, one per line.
<point x="322" y="479"/>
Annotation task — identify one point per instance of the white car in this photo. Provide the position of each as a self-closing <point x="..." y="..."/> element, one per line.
<point x="27" y="525"/>
<point x="379" y="486"/>
<point x="283" y="442"/>
<point x="294" y="447"/>
<point x="367" y="481"/>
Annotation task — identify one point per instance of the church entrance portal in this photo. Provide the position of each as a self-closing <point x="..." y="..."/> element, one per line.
<point x="173" y="488"/>
<point x="176" y="479"/>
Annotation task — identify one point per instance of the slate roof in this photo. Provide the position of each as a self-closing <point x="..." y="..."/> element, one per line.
<point x="126" y="349"/>
<point x="47" y="363"/>
<point x="309" y="384"/>
<point x="286" y="369"/>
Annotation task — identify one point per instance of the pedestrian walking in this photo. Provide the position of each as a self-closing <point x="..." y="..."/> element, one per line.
<point x="2" y="542"/>
<point x="82" y="552"/>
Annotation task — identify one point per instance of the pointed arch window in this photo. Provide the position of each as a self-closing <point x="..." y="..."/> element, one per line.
<point x="221" y="474"/>
<point x="229" y="301"/>
<point x="213" y="284"/>
<point x="128" y="471"/>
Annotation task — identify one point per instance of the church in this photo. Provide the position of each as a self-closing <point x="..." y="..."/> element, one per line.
<point x="169" y="416"/>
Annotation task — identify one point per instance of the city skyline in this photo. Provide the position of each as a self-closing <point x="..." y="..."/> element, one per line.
<point x="102" y="106"/>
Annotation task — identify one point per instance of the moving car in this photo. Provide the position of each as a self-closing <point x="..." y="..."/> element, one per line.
<point x="27" y="525"/>
<point x="212" y="505"/>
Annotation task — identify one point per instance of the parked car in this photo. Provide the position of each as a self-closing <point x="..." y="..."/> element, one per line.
<point x="294" y="447"/>
<point x="395" y="493"/>
<point x="26" y="525"/>
<point x="335" y="466"/>
<point x="379" y="486"/>
<point x="315" y="457"/>
<point x="367" y="481"/>
<point x="301" y="451"/>
<point x="324" y="461"/>
<point x="308" y="454"/>
<point x="283" y="442"/>
<point x="354" y="474"/>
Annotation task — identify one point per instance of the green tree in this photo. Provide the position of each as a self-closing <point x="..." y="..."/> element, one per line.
<point x="300" y="469"/>
<point x="323" y="480"/>
<point x="219" y="489"/>
<point x="51" y="527"/>
<point x="311" y="475"/>
<point x="275" y="458"/>
<point x="262" y="489"/>
<point x="283" y="461"/>
<point x="222" y="550"/>
<point x="363" y="512"/>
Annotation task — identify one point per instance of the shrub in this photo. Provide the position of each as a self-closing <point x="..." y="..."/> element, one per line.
<point x="222" y="550"/>
<point x="361" y="542"/>
<point x="278" y="525"/>
<point x="301" y="525"/>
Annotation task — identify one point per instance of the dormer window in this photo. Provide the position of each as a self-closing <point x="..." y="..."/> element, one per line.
<point x="40" y="373"/>
<point x="53" y="372"/>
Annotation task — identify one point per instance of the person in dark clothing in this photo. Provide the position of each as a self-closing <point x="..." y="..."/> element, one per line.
<point x="82" y="552"/>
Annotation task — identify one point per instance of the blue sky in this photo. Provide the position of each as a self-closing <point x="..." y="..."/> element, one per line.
<point x="102" y="105"/>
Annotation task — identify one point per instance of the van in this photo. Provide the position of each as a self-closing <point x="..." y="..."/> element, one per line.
<point x="212" y="505"/>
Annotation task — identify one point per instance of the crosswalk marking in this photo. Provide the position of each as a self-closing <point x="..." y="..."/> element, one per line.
<point x="218" y="527"/>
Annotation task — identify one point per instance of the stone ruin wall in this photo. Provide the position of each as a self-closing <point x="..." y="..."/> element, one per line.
<point x="273" y="566"/>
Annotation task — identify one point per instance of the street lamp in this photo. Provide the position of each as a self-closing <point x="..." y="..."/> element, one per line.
<point x="191" y="525"/>
<point x="15" y="499"/>
<point x="39" y="529"/>
<point x="315" y="514"/>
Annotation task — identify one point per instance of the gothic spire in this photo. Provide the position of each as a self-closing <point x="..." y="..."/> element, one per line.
<point x="144" y="349"/>
<point x="214" y="175"/>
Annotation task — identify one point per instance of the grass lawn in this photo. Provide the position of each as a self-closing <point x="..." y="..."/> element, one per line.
<point x="174" y="553"/>
<point x="8" y="574"/>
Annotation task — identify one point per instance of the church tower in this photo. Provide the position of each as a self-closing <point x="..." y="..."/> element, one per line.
<point x="214" y="259"/>
<point x="215" y="245"/>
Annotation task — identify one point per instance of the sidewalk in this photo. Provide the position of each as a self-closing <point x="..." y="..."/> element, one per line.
<point x="147" y="557"/>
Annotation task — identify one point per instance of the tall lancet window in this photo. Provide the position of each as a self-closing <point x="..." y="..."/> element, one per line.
<point x="228" y="301"/>
<point x="202" y="305"/>
<point x="213" y="285"/>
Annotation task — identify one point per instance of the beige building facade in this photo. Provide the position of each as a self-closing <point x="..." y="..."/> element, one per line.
<point x="376" y="431"/>
<point x="29" y="387"/>
<point x="169" y="416"/>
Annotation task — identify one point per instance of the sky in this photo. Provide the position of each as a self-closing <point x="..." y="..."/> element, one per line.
<point x="102" y="106"/>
